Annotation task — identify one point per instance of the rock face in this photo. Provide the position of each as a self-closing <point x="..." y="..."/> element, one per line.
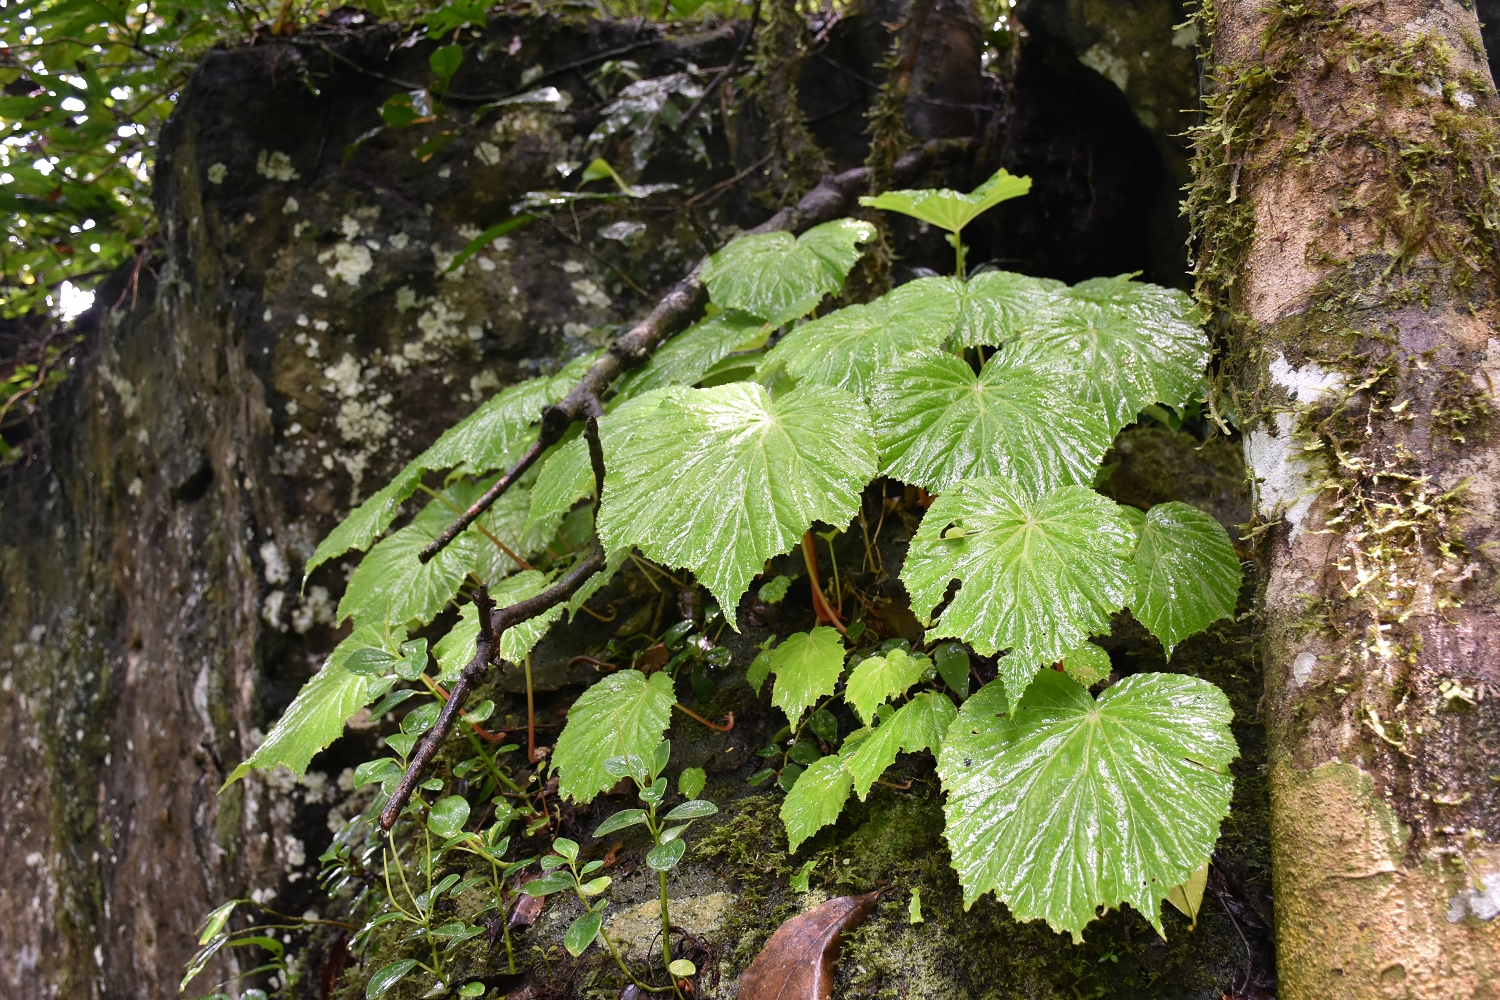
<point x="296" y="338"/>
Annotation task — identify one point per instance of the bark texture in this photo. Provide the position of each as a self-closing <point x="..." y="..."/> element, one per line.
<point x="1346" y="204"/>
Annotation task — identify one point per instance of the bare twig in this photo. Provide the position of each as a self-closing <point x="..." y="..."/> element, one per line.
<point x="724" y="74"/>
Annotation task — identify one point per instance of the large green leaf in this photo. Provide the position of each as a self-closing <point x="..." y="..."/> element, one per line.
<point x="778" y="277"/>
<point x="368" y="521"/>
<point x="936" y="422"/>
<point x="1074" y="804"/>
<point x="685" y="358"/>
<point x="918" y="725"/>
<point x="624" y="713"/>
<point x="1130" y="344"/>
<point x="996" y="307"/>
<point x="720" y="480"/>
<point x="392" y="584"/>
<point x="807" y="667"/>
<point x="948" y="209"/>
<point x="494" y="435"/>
<point x="878" y="679"/>
<point x="1186" y="573"/>
<point x="815" y="800"/>
<point x="847" y="348"/>
<point x="566" y="478"/>
<point x="316" y="717"/>
<point x="1039" y="573"/>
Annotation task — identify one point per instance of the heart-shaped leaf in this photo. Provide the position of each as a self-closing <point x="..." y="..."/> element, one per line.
<point x="778" y="277"/>
<point x="1039" y="574"/>
<point x="624" y="713"/>
<point x="807" y="667"/>
<point x="949" y="209"/>
<point x="918" y="725"/>
<point x="1186" y="573"/>
<point x="1075" y="804"/>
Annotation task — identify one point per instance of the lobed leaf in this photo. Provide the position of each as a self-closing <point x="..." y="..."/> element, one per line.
<point x="1039" y="573"/>
<point x="918" y="725"/>
<point x="1186" y="573"/>
<point x="720" y="480"/>
<point x="1074" y="804"/>
<point x="368" y="521"/>
<point x="816" y="800"/>
<point x="393" y="585"/>
<point x="847" y="349"/>
<point x="1130" y="344"/>
<point x="316" y="717"/>
<point x="997" y="307"/>
<point x="624" y="713"/>
<point x="878" y="679"/>
<point x="778" y="277"/>
<point x="936" y="423"/>
<point x="807" y="667"/>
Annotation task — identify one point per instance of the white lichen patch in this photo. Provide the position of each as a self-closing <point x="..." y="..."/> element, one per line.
<point x="277" y="166"/>
<point x="217" y="173"/>
<point x="351" y="261"/>
<point x="350" y="227"/>
<point x="1302" y="667"/>
<point x="277" y="571"/>
<point x="1104" y="61"/>
<point x="1307" y="384"/>
<point x="405" y="298"/>
<point x="1483" y="902"/>
<point x="589" y="294"/>
<point x="398" y="241"/>
<point x="1281" y="483"/>
<point x="487" y="153"/>
<point x="290" y="206"/>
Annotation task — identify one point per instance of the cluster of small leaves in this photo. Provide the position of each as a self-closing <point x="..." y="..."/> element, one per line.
<point x="999" y="393"/>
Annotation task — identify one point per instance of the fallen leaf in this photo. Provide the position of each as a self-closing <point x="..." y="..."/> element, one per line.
<point x="613" y="855"/>
<point x="797" y="963"/>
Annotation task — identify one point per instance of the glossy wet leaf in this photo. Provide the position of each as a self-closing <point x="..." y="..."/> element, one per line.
<point x="936" y="422"/>
<point x="1087" y="664"/>
<point x="1075" y="804"/>
<point x="778" y="277"/>
<point x="797" y="962"/>
<point x="949" y="209"/>
<point x="877" y="679"/>
<point x="368" y="521"/>
<point x="621" y="820"/>
<point x="612" y="563"/>
<point x="682" y="968"/>
<point x="807" y="666"/>
<point x="1039" y="574"/>
<point x="388" y="975"/>
<point x="509" y="522"/>
<point x="997" y="307"/>
<point x="1128" y="343"/>
<point x="692" y="809"/>
<point x="918" y="725"/>
<point x="581" y="932"/>
<point x="495" y="434"/>
<point x="689" y="355"/>
<point x="316" y="717"/>
<point x="719" y="480"/>
<point x="393" y="585"/>
<point x="816" y="800"/>
<point x="664" y="857"/>
<point x="1186" y="573"/>
<point x="624" y="713"/>
<point x="691" y="781"/>
<point x="566" y="477"/>
<point x="448" y="816"/>
<point x="848" y="348"/>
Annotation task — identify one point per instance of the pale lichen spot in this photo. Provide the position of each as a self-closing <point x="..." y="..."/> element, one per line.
<point x="487" y="153"/>
<point x="1302" y="666"/>
<point x="290" y="207"/>
<point x="320" y="290"/>
<point x="350" y="262"/>
<point x="277" y="166"/>
<point x="1482" y="903"/>
<point x="398" y="241"/>
<point x="1281" y="484"/>
<point x="1306" y="384"/>
<point x="217" y="173"/>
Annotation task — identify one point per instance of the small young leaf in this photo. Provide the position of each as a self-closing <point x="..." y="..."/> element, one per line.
<point x="387" y="976"/>
<point x="681" y="967"/>
<point x="878" y="679"/>
<point x="375" y="770"/>
<point x="567" y="848"/>
<point x="778" y="277"/>
<point x="1039" y="574"/>
<point x="847" y="349"/>
<point x="594" y="887"/>
<point x="914" y="908"/>
<point x="421" y="718"/>
<point x="952" y="662"/>
<point x="215" y="921"/>
<point x="448" y="816"/>
<point x="689" y="355"/>
<point x="948" y="209"/>
<point x="692" y="809"/>
<point x="620" y="821"/>
<point x="936" y="423"/>
<point x="554" y="881"/>
<point x="1128" y="344"/>
<point x="825" y="725"/>
<point x="722" y="479"/>
<point x="446" y="60"/>
<point x="772" y="591"/>
<point x="807" y="667"/>
<point x="581" y="932"/>
<point x="1075" y="804"/>
<point x="1188" y="897"/>
<point x="917" y="725"/>
<point x="759" y="670"/>
<point x="370" y="661"/>
<point x="1186" y="573"/>
<point x="665" y="857"/>
<point x="1087" y="664"/>
<point x="815" y="800"/>
<point x="691" y="781"/>
<point x="624" y="713"/>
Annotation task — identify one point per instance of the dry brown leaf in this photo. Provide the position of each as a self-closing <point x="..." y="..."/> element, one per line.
<point x="797" y="963"/>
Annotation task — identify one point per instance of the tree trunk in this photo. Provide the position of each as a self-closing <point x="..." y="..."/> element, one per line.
<point x="1346" y="205"/>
